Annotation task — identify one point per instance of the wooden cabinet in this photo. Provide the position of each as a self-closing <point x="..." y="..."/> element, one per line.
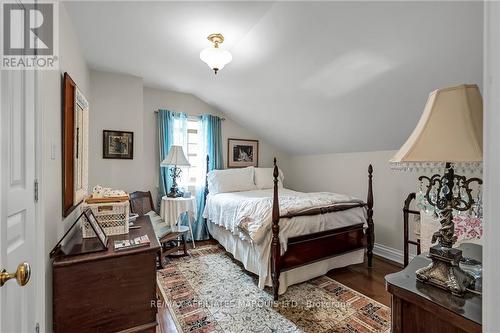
<point x="419" y="307"/>
<point x="109" y="291"/>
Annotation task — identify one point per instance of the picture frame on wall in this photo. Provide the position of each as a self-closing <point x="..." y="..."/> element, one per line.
<point x="118" y="144"/>
<point x="242" y="153"/>
<point x="75" y="143"/>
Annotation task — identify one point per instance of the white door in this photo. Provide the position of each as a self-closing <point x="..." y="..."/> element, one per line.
<point x="17" y="198"/>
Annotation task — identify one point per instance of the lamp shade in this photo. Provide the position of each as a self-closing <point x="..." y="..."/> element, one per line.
<point x="175" y="157"/>
<point x="449" y="130"/>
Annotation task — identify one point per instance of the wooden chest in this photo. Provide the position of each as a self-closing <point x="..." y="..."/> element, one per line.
<point x="109" y="291"/>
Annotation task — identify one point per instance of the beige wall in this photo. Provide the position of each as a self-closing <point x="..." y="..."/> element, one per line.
<point x="50" y="85"/>
<point x="347" y="173"/>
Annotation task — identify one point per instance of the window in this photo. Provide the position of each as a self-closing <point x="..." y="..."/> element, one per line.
<point x="193" y="151"/>
<point x="188" y="135"/>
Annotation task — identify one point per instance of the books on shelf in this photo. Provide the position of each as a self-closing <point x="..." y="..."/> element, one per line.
<point x="131" y="243"/>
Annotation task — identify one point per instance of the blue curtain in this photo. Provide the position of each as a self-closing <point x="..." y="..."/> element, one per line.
<point x="211" y="136"/>
<point x="172" y="129"/>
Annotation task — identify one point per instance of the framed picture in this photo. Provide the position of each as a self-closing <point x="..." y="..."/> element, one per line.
<point x="75" y="145"/>
<point x="99" y="231"/>
<point x="242" y="153"/>
<point x="118" y="144"/>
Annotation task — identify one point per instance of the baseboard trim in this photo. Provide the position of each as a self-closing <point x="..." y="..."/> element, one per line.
<point x="390" y="253"/>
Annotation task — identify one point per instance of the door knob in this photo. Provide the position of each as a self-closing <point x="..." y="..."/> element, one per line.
<point x="22" y="275"/>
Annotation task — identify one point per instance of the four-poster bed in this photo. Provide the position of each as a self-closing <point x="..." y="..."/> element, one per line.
<point x="294" y="252"/>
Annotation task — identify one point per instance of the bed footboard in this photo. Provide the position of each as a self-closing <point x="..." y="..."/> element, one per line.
<point x="306" y="249"/>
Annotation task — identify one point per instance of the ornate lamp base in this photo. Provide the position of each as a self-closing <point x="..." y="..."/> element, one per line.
<point x="444" y="271"/>
<point x="174" y="193"/>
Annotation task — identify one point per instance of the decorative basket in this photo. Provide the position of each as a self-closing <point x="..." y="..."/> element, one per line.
<point x="113" y="217"/>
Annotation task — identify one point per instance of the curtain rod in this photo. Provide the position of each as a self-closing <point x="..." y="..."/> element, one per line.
<point x="156" y="111"/>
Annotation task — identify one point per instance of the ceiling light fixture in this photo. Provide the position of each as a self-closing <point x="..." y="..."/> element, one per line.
<point x="215" y="57"/>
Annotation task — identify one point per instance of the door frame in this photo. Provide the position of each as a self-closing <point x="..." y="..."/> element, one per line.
<point x="42" y="252"/>
<point x="491" y="86"/>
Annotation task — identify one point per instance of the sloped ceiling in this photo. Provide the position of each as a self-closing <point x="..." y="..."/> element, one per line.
<point x="309" y="78"/>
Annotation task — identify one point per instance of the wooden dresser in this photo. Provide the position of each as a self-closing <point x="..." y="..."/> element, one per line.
<point x="419" y="307"/>
<point x="109" y="291"/>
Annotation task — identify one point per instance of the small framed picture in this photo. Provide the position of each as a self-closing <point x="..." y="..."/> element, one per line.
<point x="242" y="153"/>
<point x="118" y="144"/>
<point x="96" y="227"/>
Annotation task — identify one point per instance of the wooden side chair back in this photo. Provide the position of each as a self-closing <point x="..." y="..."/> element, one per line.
<point x="406" y="229"/>
<point x="141" y="202"/>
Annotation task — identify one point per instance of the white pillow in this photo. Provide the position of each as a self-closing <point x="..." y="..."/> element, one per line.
<point x="231" y="180"/>
<point x="264" y="178"/>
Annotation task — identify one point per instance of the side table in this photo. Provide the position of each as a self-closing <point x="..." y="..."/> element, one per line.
<point x="172" y="208"/>
<point x="420" y="307"/>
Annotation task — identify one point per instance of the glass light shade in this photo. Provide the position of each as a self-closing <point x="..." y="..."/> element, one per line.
<point x="216" y="58"/>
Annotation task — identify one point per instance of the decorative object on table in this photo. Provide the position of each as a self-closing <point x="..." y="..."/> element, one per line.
<point x="75" y="145"/>
<point x="99" y="192"/>
<point x="132" y="217"/>
<point x="215" y="57"/>
<point x="118" y="144"/>
<point x="318" y="305"/>
<point x="417" y="307"/>
<point x="175" y="159"/>
<point x="242" y="153"/>
<point x="127" y="244"/>
<point x="112" y="216"/>
<point x="448" y="136"/>
<point x="76" y="244"/>
<point x="172" y="209"/>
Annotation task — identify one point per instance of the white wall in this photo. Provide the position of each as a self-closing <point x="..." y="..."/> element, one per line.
<point x="155" y="99"/>
<point x="50" y="87"/>
<point x="116" y="105"/>
<point x="347" y="173"/>
<point x="120" y="102"/>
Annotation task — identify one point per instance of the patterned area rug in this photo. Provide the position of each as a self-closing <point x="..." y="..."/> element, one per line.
<point x="209" y="292"/>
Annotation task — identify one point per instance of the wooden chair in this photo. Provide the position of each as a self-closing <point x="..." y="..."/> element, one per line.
<point x="141" y="203"/>
<point x="406" y="233"/>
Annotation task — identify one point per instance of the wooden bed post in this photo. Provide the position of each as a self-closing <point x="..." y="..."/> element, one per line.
<point x="206" y="193"/>
<point x="206" y="178"/>
<point x="275" y="243"/>
<point x="370" y="233"/>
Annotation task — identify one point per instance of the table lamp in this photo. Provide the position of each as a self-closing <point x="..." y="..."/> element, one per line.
<point x="175" y="158"/>
<point x="448" y="136"/>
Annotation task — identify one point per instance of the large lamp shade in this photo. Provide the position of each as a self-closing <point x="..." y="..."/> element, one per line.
<point x="449" y="130"/>
<point x="175" y="157"/>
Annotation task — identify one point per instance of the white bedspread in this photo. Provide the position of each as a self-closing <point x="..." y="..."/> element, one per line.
<point x="225" y="210"/>
<point x="248" y="214"/>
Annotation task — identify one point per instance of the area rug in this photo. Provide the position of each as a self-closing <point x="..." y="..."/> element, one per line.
<point x="209" y="292"/>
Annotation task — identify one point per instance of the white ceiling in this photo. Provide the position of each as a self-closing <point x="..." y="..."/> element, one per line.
<point x="308" y="77"/>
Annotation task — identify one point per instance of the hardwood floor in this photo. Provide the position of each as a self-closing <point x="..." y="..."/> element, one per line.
<point x="369" y="282"/>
